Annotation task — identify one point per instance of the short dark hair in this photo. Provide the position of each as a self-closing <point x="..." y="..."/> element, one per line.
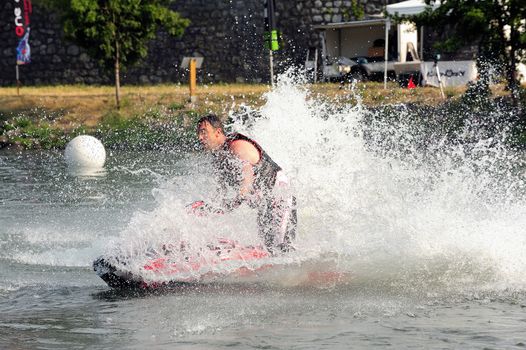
<point x="212" y="119"/>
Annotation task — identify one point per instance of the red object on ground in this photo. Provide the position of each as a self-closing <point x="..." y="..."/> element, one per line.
<point x="411" y="84"/>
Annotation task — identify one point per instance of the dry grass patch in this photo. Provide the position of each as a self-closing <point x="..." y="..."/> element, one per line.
<point x="74" y="105"/>
<point x="86" y="105"/>
<point x="153" y="115"/>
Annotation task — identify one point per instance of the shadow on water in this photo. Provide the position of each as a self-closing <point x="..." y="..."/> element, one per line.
<point x="193" y="289"/>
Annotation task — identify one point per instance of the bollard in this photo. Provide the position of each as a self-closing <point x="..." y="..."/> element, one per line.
<point x="193" y="83"/>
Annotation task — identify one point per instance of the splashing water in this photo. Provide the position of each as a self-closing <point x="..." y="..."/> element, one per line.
<point x="447" y="217"/>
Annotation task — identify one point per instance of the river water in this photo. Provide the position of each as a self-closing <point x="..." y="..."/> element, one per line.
<point x="428" y="248"/>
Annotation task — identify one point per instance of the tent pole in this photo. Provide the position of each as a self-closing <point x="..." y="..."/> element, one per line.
<point x="315" y="64"/>
<point x="421" y="43"/>
<point x="271" y="59"/>
<point x="387" y="27"/>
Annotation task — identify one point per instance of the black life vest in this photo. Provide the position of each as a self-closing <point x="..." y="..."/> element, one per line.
<point x="228" y="166"/>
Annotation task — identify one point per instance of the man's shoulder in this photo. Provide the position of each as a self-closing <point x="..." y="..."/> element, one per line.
<point x="245" y="150"/>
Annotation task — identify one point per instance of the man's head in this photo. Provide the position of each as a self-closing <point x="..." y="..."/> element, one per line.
<point x="210" y="132"/>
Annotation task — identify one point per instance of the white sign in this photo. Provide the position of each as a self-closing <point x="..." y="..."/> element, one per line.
<point x="407" y="35"/>
<point x="452" y="73"/>
<point x="185" y="64"/>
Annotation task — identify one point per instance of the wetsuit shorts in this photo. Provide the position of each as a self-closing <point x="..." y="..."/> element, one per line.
<point x="277" y="216"/>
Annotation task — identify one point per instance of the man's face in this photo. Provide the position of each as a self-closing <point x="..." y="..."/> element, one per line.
<point x="210" y="137"/>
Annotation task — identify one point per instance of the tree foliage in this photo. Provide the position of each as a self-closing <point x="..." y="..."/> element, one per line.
<point x="117" y="32"/>
<point x="496" y="26"/>
<point x="98" y="24"/>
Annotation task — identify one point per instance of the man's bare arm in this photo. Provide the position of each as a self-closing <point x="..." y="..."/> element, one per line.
<point x="249" y="156"/>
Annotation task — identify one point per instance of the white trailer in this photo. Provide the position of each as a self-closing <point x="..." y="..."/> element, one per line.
<point x="362" y="49"/>
<point x="352" y="46"/>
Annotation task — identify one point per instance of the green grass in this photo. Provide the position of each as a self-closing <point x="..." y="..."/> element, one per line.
<point x="158" y="116"/>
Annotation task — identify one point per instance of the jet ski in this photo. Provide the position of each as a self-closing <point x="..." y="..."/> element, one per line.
<point x="175" y="265"/>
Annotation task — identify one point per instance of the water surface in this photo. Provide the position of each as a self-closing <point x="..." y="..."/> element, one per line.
<point x="430" y="254"/>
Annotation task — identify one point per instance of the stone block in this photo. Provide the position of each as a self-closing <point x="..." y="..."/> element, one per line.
<point x="370" y="8"/>
<point x="51" y="50"/>
<point x="143" y="79"/>
<point x="73" y="50"/>
<point x="47" y="32"/>
<point x="336" y="18"/>
<point x="84" y="57"/>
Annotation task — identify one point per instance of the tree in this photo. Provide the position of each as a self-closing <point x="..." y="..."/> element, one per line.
<point x="497" y="27"/>
<point x="117" y="32"/>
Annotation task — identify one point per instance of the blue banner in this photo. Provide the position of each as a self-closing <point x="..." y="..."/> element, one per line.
<point x="23" y="51"/>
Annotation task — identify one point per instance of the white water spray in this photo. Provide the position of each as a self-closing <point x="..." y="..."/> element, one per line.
<point x="390" y="217"/>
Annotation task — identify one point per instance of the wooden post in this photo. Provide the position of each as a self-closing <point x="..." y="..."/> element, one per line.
<point x="193" y="82"/>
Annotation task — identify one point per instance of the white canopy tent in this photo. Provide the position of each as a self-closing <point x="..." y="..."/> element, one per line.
<point x="365" y="30"/>
<point x="408" y="8"/>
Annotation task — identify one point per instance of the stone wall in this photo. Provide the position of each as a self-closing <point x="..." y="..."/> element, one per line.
<point x="227" y="33"/>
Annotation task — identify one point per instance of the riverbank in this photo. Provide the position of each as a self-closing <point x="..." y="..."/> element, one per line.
<point x="161" y="116"/>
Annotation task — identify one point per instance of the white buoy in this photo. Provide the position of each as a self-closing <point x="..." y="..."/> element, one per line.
<point x="85" y="151"/>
